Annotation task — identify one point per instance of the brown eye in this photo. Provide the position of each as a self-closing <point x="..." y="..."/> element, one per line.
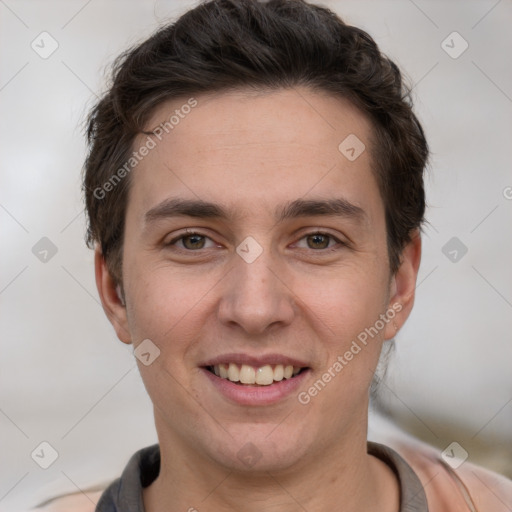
<point x="318" y="241"/>
<point x="193" y="241"/>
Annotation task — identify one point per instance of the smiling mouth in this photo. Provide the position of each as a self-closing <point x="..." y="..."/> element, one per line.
<point x="250" y="376"/>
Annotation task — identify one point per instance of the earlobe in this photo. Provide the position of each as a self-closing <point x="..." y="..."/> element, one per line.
<point x="112" y="298"/>
<point x="403" y="285"/>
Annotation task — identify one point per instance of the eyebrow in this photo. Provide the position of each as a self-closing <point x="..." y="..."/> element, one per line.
<point x="197" y="208"/>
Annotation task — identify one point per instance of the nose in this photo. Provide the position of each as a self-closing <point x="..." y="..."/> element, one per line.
<point x="257" y="296"/>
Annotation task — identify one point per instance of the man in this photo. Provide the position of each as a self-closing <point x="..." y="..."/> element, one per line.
<point x="255" y="196"/>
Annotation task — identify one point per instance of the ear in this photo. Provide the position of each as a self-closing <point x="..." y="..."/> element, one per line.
<point x="403" y="286"/>
<point x="111" y="298"/>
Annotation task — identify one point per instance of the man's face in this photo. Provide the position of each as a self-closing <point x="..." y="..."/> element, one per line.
<point x="278" y="281"/>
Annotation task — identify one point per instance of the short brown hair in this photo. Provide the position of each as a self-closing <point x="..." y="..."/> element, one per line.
<point x="232" y="44"/>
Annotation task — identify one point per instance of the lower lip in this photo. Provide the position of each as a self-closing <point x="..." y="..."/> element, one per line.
<point x="257" y="395"/>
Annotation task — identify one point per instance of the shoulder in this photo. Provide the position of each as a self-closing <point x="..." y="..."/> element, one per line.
<point x="145" y="460"/>
<point x="79" y="502"/>
<point x="451" y="486"/>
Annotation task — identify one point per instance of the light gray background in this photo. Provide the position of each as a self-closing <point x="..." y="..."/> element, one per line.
<point x="67" y="380"/>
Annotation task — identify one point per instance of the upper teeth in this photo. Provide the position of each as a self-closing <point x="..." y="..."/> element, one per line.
<point x="264" y="375"/>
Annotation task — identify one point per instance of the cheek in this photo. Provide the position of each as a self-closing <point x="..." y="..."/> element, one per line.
<point x="163" y="303"/>
<point x="344" y="303"/>
<point x="165" y="308"/>
<point x="346" y="312"/>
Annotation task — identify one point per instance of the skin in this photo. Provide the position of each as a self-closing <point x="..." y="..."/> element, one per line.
<point x="252" y="152"/>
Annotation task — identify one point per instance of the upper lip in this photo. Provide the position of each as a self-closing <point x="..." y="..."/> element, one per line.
<point x="255" y="361"/>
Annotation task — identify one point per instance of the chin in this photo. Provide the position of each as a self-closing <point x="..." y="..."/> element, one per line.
<point x="259" y="448"/>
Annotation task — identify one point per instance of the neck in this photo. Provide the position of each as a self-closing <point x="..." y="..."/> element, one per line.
<point x="342" y="477"/>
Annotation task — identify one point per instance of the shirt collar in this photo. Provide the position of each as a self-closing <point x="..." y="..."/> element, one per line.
<point x="125" y="493"/>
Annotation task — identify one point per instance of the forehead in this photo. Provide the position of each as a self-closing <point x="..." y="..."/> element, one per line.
<point x="248" y="148"/>
<point x="293" y="116"/>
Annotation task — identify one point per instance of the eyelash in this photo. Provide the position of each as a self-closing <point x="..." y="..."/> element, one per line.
<point x="197" y="233"/>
